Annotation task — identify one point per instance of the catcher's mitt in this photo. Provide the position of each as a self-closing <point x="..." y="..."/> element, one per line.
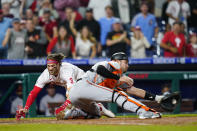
<point x="170" y="101"/>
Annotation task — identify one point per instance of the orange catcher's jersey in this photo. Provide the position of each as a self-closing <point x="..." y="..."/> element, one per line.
<point x="67" y="76"/>
<point x="94" y="77"/>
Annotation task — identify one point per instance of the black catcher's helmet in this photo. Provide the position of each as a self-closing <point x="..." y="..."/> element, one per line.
<point x="119" y="56"/>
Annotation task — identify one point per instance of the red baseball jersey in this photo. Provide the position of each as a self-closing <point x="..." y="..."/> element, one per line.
<point x="177" y="41"/>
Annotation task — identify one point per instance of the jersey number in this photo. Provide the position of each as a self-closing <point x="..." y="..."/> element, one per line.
<point x="71" y="80"/>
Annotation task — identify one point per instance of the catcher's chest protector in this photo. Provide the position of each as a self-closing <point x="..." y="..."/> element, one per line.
<point x="111" y="83"/>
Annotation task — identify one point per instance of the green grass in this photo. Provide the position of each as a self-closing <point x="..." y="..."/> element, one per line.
<point x="62" y="127"/>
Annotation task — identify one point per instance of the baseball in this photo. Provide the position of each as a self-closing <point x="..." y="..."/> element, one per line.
<point x="173" y="101"/>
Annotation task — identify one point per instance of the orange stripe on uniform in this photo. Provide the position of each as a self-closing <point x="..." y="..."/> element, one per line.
<point x="105" y="88"/>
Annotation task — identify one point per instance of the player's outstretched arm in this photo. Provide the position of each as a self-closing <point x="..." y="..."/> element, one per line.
<point x="130" y="89"/>
<point x="32" y="96"/>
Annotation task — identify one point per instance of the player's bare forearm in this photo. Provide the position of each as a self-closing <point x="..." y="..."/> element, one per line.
<point x="136" y="92"/>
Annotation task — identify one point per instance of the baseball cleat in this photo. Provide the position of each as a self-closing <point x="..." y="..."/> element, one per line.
<point x="149" y="115"/>
<point x="105" y="112"/>
<point x="60" y="115"/>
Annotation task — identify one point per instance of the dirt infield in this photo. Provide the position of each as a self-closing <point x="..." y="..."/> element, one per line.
<point x="108" y="121"/>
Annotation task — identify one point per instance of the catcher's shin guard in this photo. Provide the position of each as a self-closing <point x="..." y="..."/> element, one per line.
<point x="129" y="103"/>
<point x="126" y="99"/>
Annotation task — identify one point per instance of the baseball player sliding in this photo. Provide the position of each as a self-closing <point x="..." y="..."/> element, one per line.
<point x="98" y="85"/>
<point x="63" y="74"/>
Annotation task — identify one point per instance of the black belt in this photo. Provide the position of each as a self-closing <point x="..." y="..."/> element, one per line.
<point x="79" y="79"/>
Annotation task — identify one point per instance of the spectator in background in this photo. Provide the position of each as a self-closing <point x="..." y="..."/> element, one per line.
<point x="46" y="4"/>
<point x="183" y="30"/>
<point x="191" y="49"/>
<point x="63" y="43"/>
<point x="193" y="9"/>
<point x="35" y="41"/>
<point x="165" y="89"/>
<point x="93" y="26"/>
<point x="51" y="97"/>
<point x="82" y="7"/>
<point x="36" y="21"/>
<point x="68" y="13"/>
<point x="174" y="42"/>
<point x="151" y="5"/>
<point x="14" y="7"/>
<point x="117" y="40"/>
<point x="125" y="10"/>
<point x="23" y="24"/>
<point x="106" y="25"/>
<point x="178" y="10"/>
<point x="49" y="26"/>
<point x="85" y="42"/>
<point x="148" y="25"/>
<point x="91" y="23"/>
<point x="99" y="8"/>
<point x="6" y="10"/>
<point x="15" y="39"/>
<point x="28" y="14"/>
<point x="18" y="101"/>
<point x="162" y="32"/>
<point x="5" y="23"/>
<point x="164" y="8"/>
<point x="139" y="44"/>
<point x="62" y="5"/>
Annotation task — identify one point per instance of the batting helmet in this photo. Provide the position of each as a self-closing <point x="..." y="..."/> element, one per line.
<point x="119" y="56"/>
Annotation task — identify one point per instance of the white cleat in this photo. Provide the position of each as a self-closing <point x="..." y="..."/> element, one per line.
<point x="149" y="115"/>
<point x="105" y="111"/>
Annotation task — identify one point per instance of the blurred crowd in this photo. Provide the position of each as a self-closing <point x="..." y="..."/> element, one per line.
<point x="32" y="29"/>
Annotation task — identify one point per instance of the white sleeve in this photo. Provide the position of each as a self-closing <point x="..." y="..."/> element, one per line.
<point x="91" y="4"/>
<point x="146" y="43"/>
<point x="43" y="79"/>
<point x="188" y="10"/>
<point x="169" y="8"/>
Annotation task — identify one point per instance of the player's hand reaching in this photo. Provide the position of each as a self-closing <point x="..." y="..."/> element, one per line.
<point x="127" y="80"/>
<point x="20" y="112"/>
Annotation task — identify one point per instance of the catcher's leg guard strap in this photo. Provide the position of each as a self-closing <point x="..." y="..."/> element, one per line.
<point x="117" y="97"/>
<point x="119" y="94"/>
<point x="113" y="96"/>
<point x="138" y="109"/>
<point x="124" y="103"/>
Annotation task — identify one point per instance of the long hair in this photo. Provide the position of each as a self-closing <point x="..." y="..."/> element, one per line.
<point x="90" y="37"/>
<point x="66" y="38"/>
